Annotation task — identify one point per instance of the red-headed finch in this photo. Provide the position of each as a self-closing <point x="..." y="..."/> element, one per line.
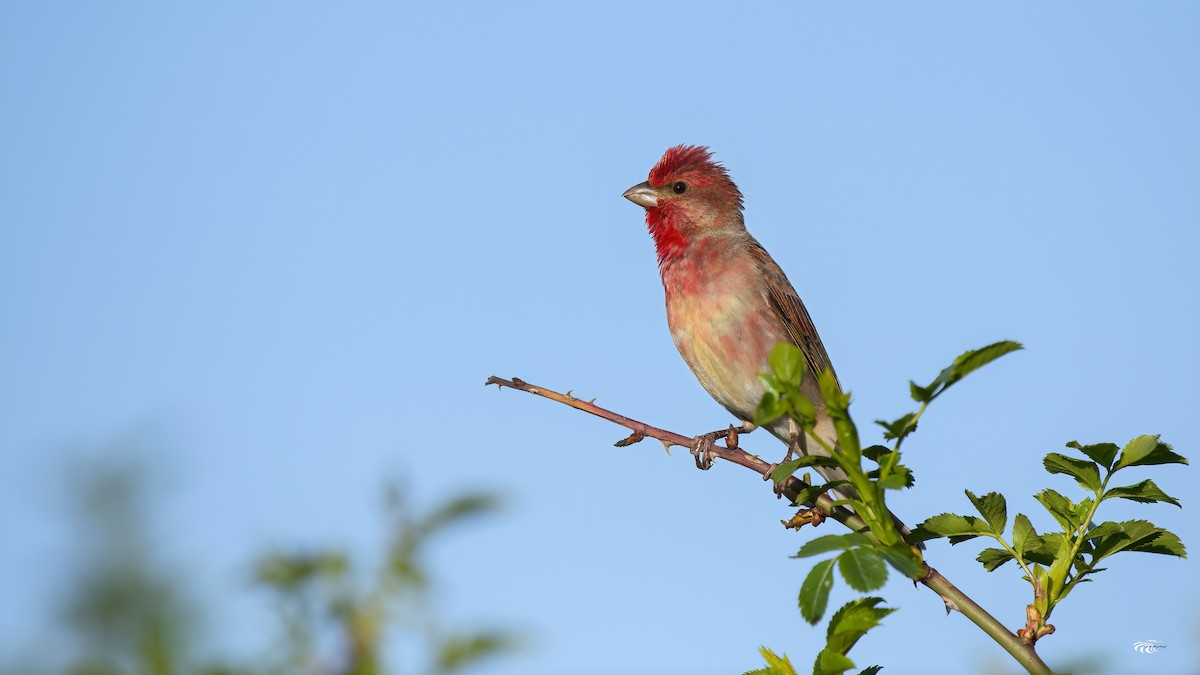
<point x="728" y="302"/>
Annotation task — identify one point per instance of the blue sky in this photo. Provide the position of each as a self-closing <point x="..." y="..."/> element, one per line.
<point x="287" y="242"/>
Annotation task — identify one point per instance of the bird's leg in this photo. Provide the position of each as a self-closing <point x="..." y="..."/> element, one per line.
<point x="797" y="441"/>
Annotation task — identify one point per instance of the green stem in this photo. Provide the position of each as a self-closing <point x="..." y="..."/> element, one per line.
<point x="1080" y="537"/>
<point x="1022" y="652"/>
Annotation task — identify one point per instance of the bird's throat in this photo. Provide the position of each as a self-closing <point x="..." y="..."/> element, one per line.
<point x="669" y="240"/>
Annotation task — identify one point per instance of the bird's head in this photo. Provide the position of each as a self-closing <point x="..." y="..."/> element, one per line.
<point x="688" y="195"/>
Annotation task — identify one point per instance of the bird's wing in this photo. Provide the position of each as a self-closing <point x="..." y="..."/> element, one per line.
<point x="786" y="303"/>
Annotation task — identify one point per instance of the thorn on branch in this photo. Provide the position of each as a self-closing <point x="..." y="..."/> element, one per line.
<point x="950" y="605"/>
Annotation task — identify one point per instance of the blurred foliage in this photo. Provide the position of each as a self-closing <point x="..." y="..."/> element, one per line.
<point x="128" y="613"/>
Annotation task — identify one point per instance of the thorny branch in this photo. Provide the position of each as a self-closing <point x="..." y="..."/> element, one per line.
<point x="953" y="598"/>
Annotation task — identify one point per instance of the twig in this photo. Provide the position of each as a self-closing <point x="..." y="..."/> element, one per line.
<point x="791" y="488"/>
<point x="931" y="578"/>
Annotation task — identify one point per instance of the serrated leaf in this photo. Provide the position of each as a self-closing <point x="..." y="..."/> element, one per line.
<point x="831" y="542"/>
<point x="871" y="670"/>
<point x="899" y="427"/>
<point x="1101" y="453"/>
<point x="874" y="452"/>
<point x="787" y="363"/>
<point x="966" y="363"/>
<point x="852" y="621"/>
<point x="1136" y="535"/>
<point x="1166" y="543"/>
<point x="1060" y="507"/>
<point x="1146" y="492"/>
<point x="1045" y="548"/>
<point x="814" y="592"/>
<point x="1147" y="450"/>
<point x="973" y="360"/>
<point x="1083" y="471"/>
<point x="831" y="663"/>
<point x="863" y="569"/>
<point x="776" y="664"/>
<point x="993" y="508"/>
<point x="1023" y="533"/>
<point x="958" y="528"/>
<point x="991" y="558"/>
<point x="1102" y="530"/>
<point x="921" y="394"/>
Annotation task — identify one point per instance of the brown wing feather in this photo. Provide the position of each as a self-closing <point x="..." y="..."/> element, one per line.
<point x="787" y="304"/>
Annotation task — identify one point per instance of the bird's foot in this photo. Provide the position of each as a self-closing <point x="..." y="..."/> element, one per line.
<point x="702" y="445"/>
<point x="702" y="449"/>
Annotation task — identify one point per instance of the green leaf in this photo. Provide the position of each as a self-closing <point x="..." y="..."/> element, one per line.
<point x="788" y="363"/>
<point x="1045" y="548"/>
<point x="1135" y="535"/>
<point x="993" y="558"/>
<point x="874" y="452"/>
<point x="903" y="559"/>
<point x="993" y="508"/>
<point x="1103" y="530"/>
<point x="957" y="528"/>
<point x="872" y="670"/>
<point x="852" y="621"/>
<point x="921" y="394"/>
<point x="1101" y="453"/>
<point x="973" y="360"/>
<point x="1166" y="543"/>
<point x="831" y="663"/>
<point x="814" y="592"/>
<point x="897" y="481"/>
<point x="863" y="569"/>
<point x="808" y="494"/>
<point x="459" y="652"/>
<point x="1023" y="533"/>
<point x="831" y="392"/>
<point x="831" y="542"/>
<point x="769" y="409"/>
<point x="784" y="471"/>
<point x="966" y="363"/>
<point x="802" y="409"/>
<point x="1060" y="507"/>
<point x="902" y="426"/>
<point x="1146" y="492"/>
<point x="776" y="665"/>
<point x="1084" y="472"/>
<point x="458" y="509"/>
<point x="1147" y="450"/>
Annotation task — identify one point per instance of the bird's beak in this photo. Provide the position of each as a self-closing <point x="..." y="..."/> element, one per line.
<point x="643" y="195"/>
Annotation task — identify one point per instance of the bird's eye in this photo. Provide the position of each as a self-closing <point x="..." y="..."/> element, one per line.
<point x="679" y="187"/>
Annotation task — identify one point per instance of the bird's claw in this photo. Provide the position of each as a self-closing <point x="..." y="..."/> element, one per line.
<point x="702" y="450"/>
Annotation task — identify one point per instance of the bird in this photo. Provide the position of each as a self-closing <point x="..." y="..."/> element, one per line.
<point x="728" y="302"/>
